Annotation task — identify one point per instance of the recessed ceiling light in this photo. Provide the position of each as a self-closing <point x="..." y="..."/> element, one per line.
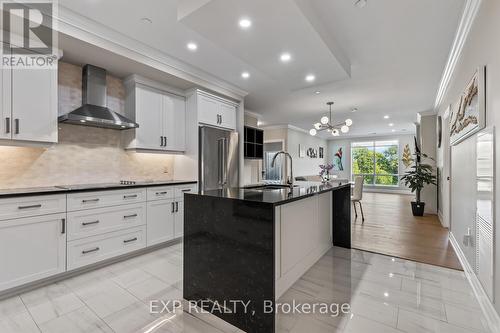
<point x="286" y="57"/>
<point x="310" y="78"/>
<point x="391" y="124"/>
<point x="317" y="92"/>
<point x="245" y="75"/>
<point x="245" y="23"/>
<point x="192" y="46"/>
<point x="146" y="20"/>
<point x="386" y="117"/>
<point x="393" y="130"/>
<point x="360" y="3"/>
<point x="354" y="110"/>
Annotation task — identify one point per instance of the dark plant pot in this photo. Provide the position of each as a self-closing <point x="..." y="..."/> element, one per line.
<point x="417" y="208"/>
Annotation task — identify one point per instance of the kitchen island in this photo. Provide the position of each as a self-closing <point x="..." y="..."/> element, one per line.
<point x="244" y="247"/>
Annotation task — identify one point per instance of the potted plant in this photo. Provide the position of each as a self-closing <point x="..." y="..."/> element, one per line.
<point x="421" y="174"/>
<point x="325" y="171"/>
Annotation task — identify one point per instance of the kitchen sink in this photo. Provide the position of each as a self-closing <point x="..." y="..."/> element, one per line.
<point x="269" y="187"/>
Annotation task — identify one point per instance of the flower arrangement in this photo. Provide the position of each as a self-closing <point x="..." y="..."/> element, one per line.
<point x="325" y="171"/>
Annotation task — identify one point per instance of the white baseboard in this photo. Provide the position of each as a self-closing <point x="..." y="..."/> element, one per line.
<point x="490" y="314"/>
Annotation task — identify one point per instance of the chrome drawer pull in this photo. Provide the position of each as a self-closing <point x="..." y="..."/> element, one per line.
<point x="130" y="216"/>
<point x="90" y="223"/>
<point x="90" y="251"/>
<point x="186" y="190"/>
<point x="130" y="196"/>
<point x="130" y="240"/>
<point x="90" y="200"/>
<point x="30" y="207"/>
<point x="161" y="193"/>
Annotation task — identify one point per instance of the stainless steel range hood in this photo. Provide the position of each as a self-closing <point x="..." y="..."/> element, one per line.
<point x="94" y="111"/>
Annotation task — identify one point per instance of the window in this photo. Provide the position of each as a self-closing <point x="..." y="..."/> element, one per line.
<point x="377" y="161"/>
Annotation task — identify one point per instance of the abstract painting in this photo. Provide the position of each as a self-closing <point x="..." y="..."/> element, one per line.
<point x="312" y="153"/>
<point x="321" y="152"/>
<point x="469" y="114"/>
<point x="338" y="161"/>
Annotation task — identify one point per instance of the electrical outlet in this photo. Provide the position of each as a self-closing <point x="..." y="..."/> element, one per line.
<point x="165" y="170"/>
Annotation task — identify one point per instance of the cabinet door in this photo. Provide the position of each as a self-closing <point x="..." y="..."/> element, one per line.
<point x="228" y="115"/>
<point x="160" y="221"/>
<point x="34" y="105"/>
<point x="5" y="105"/>
<point x="208" y="110"/>
<point x="31" y="249"/>
<point x="179" y="220"/>
<point x="175" y="122"/>
<point x="149" y="116"/>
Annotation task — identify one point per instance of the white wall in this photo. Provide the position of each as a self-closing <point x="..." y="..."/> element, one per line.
<point x="334" y="144"/>
<point x="428" y="139"/>
<point x="305" y="166"/>
<point x="481" y="48"/>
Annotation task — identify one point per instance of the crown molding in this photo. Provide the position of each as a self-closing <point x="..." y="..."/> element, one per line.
<point x="92" y="32"/>
<point x="469" y="14"/>
<point x="256" y="115"/>
<point x="285" y="126"/>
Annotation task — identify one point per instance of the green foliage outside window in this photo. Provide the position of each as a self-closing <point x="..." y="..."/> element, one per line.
<point x="379" y="164"/>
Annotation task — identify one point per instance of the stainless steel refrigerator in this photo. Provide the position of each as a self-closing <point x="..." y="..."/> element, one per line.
<point x="218" y="162"/>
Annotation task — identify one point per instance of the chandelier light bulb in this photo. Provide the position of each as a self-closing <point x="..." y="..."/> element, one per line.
<point x="348" y="122"/>
<point x="313" y="132"/>
<point x="335" y="132"/>
<point x="317" y="126"/>
<point x="324" y="120"/>
<point x="344" y="129"/>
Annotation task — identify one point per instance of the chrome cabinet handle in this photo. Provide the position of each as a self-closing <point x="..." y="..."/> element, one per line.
<point x="130" y="240"/>
<point x="176" y="207"/>
<point x="133" y="196"/>
<point x="173" y="207"/>
<point x="161" y="193"/>
<point x="90" y="200"/>
<point x="130" y="216"/>
<point x="161" y="141"/>
<point x="165" y="141"/>
<point x="91" y="250"/>
<point x="7" y="125"/>
<point x="186" y="190"/>
<point x="30" y="207"/>
<point x="90" y="223"/>
<point x="63" y="226"/>
<point x="16" y="123"/>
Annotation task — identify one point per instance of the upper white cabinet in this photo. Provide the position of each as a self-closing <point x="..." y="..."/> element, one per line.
<point x="29" y="105"/>
<point x="215" y="111"/>
<point x="161" y="117"/>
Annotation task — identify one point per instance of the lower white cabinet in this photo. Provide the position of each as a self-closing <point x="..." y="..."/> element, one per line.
<point x="31" y="248"/>
<point x="179" y="219"/>
<point x="160" y="221"/>
<point x="91" y="250"/>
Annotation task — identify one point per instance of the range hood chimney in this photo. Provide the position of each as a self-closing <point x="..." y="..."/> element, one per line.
<point x="94" y="111"/>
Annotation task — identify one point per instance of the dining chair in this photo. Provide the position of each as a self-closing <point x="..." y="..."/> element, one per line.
<point x="357" y="195"/>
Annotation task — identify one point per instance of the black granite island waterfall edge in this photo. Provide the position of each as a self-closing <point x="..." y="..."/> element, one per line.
<point x="229" y="249"/>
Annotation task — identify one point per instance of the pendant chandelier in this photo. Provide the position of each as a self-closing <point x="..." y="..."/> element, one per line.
<point x="326" y="125"/>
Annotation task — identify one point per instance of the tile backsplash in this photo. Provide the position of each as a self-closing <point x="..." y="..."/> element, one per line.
<point x="84" y="155"/>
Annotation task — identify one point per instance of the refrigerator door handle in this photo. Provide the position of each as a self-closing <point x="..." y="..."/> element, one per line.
<point x="219" y="161"/>
<point x="224" y="161"/>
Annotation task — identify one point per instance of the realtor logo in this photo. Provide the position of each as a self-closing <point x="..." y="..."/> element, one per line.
<point x="28" y="33"/>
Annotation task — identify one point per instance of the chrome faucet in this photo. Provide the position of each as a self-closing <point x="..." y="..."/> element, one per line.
<point x="290" y="179"/>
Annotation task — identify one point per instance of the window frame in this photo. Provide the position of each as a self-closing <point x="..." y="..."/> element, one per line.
<point x="374" y="174"/>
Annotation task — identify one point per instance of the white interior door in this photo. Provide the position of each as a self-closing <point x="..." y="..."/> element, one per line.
<point x="446" y="186"/>
<point x="150" y="118"/>
<point x="34" y="118"/>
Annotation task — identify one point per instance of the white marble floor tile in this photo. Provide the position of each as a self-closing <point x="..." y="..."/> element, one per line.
<point x="145" y="289"/>
<point x="11" y="307"/>
<point x="50" y="302"/>
<point x="465" y="317"/>
<point x="360" y="324"/>
<point x="80" y="321"/>
<point x="18" y="323"/>
<point x="376" y="310"/>
<point x="132" y="319"/>
<point x="412" y="322"/>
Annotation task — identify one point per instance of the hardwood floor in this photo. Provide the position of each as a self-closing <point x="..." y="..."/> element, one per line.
<point x="390" y="228"/>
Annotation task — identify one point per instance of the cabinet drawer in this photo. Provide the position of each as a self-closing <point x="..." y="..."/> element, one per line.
<point x="180" y="190"/>
<point x="91" y="250"/>
<point x="160" y="193"/>
<point x="87" y="200"/>
<point x="97" y="221"/>
<point x="13" y="208"/>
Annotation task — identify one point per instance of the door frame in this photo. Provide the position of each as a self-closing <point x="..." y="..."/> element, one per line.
<point x="282" y="141"/>
<point x="447" y="183"/>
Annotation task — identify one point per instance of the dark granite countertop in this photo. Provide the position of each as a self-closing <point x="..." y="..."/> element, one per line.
<point x="17" y="192"/>
<point x="276" y="196"/>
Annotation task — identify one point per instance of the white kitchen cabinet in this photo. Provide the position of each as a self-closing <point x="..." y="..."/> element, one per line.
<point x="160" y="221"/>
<point x="215" y="111"/>
<point x="32" y="248"/>
<point x="29" y="105"/>
<point x="179" y="219"/>
<point x="161" y="117"/>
